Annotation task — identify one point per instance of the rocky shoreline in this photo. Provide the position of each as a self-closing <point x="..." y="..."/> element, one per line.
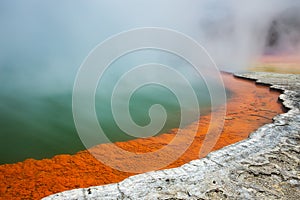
<point x="265" y="166"/>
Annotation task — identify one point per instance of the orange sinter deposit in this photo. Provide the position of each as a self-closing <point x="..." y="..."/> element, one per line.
<point x="250" y="107"/>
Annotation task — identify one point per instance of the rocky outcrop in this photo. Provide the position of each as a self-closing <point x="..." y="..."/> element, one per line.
<point x="265" y="166"/>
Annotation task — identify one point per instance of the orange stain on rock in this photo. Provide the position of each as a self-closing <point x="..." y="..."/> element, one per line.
<point x="250" y="107"/>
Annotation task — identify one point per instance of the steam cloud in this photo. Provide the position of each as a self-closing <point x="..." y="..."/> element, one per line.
<point x="45" y="42"/>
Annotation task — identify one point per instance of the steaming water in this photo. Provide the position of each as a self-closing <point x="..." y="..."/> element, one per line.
<point x="41" y="125"/>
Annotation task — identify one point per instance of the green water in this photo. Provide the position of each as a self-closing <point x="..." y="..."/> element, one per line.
<point x="37" y="121"/>
<point x="43" y="127"/>
<point x="37" y="128"/>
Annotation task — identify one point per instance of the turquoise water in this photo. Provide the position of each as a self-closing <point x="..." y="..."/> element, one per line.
<point x="40" y="124"/>
<point x="43" y="127"/>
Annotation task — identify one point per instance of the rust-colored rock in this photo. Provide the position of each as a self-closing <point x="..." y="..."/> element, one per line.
<point x="250" y="107"/>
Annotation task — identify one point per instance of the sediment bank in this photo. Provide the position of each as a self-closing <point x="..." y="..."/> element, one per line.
<point x="250" y="107"/>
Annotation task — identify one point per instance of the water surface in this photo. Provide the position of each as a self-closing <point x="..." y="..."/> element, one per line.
<point x="40" y="124"/>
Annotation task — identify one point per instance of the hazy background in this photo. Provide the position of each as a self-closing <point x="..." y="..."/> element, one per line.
<point x="43" y="43"/>
<point x="46" y="41"/>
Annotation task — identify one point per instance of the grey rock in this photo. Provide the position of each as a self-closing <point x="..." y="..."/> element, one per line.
<point x="265" y="166"/>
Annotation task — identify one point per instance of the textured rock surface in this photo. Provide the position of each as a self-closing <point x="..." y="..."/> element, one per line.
<point x="265" y="166"/>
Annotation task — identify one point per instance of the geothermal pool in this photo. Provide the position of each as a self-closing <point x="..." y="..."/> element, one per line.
<point x="43" y="127"/>
<point x="38" y="125"/>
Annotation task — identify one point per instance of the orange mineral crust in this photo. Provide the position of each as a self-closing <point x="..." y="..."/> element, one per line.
<point x="250" y="107"/>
